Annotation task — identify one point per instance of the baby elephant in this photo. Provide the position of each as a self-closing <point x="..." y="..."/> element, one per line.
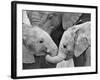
<point x="75" y="41"/>
<point x="38" y="41"/>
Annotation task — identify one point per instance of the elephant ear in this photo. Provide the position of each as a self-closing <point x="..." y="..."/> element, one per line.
<point x="69" y="19"/>
<point x="25" y="18"/>
<point x="28" y="56"/>
<point x="25" y="29"/>
<point x="81" y="40"/>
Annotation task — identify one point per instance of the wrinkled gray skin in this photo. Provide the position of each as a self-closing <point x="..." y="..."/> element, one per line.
<point x="74" y="41"/>
<point x="69" y="18"/>
<point x="36" y="39"/>
<point x="44" y="20"/>
<point x="47" y="20"/>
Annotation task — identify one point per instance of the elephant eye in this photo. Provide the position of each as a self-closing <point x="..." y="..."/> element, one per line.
<point x="50" y="16"/>
<point x="65" y="46"/>
<point x="41" y="41"/>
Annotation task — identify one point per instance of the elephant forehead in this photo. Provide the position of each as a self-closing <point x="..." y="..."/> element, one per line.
<point x="37" y="33"/>
<point x="67" y="39"/>
<point x="67" y="35"/>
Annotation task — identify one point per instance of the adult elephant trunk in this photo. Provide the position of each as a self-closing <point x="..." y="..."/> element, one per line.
<point x="56" y="59"/>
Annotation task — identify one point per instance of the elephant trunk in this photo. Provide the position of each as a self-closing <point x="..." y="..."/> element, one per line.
<point x="52" y="48"/>
<point x="55" y="59"/>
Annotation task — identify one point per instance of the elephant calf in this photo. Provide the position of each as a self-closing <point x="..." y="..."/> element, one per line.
<point x="38" y="41"/>
<point x="74" y="42"/>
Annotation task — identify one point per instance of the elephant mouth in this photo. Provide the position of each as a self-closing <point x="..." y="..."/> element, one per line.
<point x="40" y="54"/>
<point x="45" y="52"/>
<point x="42" y="51"/>
<point x="69" y="55"/>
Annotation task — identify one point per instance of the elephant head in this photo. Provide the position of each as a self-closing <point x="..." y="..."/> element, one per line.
<point x="74" y="41"/>
<point x="36" y="39"/>
<point x="47" y="20"/>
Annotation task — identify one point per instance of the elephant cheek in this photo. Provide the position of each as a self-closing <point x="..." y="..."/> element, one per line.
<point x="68" y="52"/>
<point x="69" y="55"/>
<point x="37" y="47"/>
<point x="41" y="50"/>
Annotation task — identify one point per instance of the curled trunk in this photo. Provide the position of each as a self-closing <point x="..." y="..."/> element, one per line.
<point x="55" y="59"/>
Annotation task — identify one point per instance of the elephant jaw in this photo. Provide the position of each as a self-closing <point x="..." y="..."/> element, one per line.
<point x="40" y="54"/>
<point x="55" y="59"/>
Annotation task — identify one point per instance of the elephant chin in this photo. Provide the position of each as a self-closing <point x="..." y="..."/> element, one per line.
<point x="55" y="59"/>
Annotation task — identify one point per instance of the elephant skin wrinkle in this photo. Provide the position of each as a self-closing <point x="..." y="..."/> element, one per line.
<point x="69" y="19"/>
<point x="53" y="23"/>
<point x="76" y="39"/>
